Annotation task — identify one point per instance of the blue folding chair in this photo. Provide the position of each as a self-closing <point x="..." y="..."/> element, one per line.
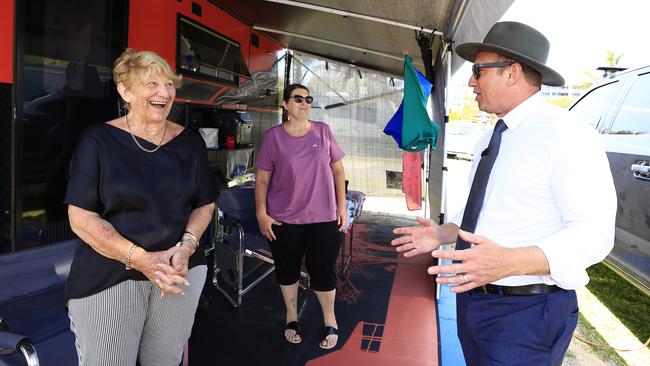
<point x="33" y="317"/>
<point x="238" y="237"/>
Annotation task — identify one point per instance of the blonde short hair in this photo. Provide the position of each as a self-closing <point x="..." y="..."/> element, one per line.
<point x="134" y="66"/>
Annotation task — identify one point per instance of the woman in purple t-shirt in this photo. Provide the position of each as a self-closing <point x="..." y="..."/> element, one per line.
<point x="300" y="203"/>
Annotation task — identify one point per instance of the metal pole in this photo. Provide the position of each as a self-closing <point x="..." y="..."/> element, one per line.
<point x="443" y="193"/>
<point x="443" y="198"/>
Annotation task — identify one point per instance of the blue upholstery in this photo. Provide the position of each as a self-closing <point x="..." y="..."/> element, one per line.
<point x="238" y="237"/>
<point x="32" y="285"/>
<point x="238" y="206"/>
<point x="238" y="203"/>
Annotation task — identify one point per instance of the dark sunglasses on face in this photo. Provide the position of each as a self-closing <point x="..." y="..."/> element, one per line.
<point x="476" y="68"/>
<point x="299" y="99"/>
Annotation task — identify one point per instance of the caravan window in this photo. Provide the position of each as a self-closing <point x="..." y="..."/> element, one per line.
<point x="66" y="85"/>
<point x="204" y="53"/>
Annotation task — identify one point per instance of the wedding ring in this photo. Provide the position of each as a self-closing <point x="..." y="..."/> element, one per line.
<point x="465" y="277"/>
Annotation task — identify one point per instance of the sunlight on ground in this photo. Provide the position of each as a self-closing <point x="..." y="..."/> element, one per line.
<point x="611" y="329"/>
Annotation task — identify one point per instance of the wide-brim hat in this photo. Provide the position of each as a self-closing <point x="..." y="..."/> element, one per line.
<point x="518" y="41"/>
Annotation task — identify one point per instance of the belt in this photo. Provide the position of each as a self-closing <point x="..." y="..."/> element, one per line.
<point x="535" y="289"/>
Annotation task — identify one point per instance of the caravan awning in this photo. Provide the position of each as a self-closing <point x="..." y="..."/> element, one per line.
<point x="368" y="33"/>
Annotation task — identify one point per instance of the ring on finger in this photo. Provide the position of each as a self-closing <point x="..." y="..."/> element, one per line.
<point x="465" y="277"/>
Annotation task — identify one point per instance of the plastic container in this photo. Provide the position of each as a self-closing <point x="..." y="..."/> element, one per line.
<point x="230" y="142"/>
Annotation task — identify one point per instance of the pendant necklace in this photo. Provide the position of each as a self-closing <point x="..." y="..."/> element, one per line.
<point x="128" y="126"/>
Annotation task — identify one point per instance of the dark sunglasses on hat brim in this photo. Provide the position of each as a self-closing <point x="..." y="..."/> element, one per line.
<point x="299" y="99"/>
<point x="476" y="68"/>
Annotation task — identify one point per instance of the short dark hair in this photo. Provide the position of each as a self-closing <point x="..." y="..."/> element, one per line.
<point x="289" y="89"/>
<point x="530" y="74"/>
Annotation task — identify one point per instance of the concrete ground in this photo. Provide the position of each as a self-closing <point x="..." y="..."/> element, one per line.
<point x="394" y="210"/>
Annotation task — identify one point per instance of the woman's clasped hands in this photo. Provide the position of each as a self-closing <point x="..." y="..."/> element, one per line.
<point x="167" y="268"/>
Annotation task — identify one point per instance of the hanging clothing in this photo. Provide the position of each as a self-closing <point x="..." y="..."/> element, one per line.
<point x="412" y="179"/>
<point x="418" y="130"/>
<point x="411" y="126"/>
<point x="394" y="126"/>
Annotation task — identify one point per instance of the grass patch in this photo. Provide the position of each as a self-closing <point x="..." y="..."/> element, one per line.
<point x="587" y="332"/>
<point x="626" y="302"/>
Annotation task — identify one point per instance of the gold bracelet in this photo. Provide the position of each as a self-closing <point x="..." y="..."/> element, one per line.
<point x="127" y="257"/>
<point x="191" y="235"/>
<point x="191" y="239"/>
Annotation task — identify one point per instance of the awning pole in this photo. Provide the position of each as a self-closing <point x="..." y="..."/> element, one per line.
<point x="443" y="193"/>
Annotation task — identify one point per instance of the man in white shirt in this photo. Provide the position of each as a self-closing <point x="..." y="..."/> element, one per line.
<point x="541" y="210"/>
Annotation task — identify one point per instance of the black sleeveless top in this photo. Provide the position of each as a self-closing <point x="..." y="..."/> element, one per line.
<point x="147" y="197"/>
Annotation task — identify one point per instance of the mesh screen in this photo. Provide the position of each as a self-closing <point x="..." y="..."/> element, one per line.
<point x="356" y="104"/>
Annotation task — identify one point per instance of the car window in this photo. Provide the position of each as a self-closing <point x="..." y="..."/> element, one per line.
<point x="634" y="116"/>
<point x="594" y="105"/>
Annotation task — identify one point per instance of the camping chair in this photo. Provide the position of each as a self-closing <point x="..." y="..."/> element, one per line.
<point x="238" y="238"/>
<point x="10" y="342"/>
<point x="33" y="317"/>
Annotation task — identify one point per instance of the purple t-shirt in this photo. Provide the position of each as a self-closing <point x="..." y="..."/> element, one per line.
<point x="301" y="189"/>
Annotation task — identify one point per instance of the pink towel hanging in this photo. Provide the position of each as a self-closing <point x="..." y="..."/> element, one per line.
<point x="412" y="179"/>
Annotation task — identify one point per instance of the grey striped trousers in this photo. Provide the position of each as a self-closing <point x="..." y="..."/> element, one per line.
<point x="129" y="322"/>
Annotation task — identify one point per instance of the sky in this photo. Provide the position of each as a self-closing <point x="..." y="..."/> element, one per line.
<point x="581" y="31"/>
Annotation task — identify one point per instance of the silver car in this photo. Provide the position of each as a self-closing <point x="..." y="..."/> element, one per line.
<point x="619" y="108"/>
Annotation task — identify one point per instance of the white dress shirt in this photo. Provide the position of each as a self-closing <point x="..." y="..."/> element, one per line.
<point x="550" y="187"/>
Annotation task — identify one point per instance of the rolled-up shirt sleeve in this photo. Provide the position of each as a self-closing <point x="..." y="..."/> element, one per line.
<point x="584" y="191"/>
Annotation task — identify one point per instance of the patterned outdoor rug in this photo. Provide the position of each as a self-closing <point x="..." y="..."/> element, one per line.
<point x="253" y="333"/>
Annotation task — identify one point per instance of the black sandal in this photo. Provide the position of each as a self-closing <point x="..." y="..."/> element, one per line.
<point x="328" y="331"/>
<point x="295" y="326"/>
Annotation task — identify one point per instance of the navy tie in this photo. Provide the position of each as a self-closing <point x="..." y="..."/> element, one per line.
<point x="479" y="184"/>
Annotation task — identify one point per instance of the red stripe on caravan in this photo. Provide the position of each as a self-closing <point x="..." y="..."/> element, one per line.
<point x="152" y="25"/>
<point x="6" y="41"/>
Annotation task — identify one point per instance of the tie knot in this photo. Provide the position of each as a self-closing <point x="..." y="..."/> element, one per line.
<point x="500" y="126"/>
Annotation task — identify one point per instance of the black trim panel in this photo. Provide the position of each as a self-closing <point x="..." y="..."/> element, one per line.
<point x="5" y="167"/>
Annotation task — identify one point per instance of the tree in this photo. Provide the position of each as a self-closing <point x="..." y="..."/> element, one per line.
<point x="612" y="58"/>
<point x="469" y="109"/>
<point x="563" y="102"/>
<point x="587" y="78"/>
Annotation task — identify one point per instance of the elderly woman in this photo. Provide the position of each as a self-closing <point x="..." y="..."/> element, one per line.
<point x="300" y="207"/>
<point x="139" y="198"/>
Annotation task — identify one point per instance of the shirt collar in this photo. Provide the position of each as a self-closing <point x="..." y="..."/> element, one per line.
<point x="522" y="112"/>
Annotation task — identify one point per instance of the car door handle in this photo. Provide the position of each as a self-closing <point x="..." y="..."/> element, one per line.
<point x="641" y="170"/>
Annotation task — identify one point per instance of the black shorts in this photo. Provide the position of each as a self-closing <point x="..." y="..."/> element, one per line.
<point x="318" y="243"/>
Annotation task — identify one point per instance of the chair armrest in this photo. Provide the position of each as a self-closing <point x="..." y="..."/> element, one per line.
<point x="10" y="342"/>
<point x="232" y="232"/>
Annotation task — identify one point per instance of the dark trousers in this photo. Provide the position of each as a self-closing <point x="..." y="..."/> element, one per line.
<point x="317" y="243"/>
<point x="516" y="330"/>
